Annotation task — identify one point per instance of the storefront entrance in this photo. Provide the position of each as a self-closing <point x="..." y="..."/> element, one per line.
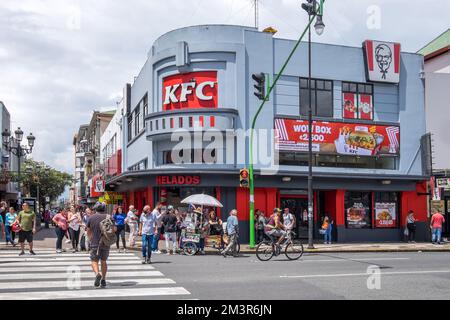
<point x="446" y="226"/>
<point x="298" y="205"/>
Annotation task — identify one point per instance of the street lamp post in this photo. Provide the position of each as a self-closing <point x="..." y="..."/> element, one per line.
<point x="14" y="145"/>
<point x="319" y="26"/>
<point x="314" y="10"/>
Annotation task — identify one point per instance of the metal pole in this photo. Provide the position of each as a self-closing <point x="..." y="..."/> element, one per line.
<point x="37" y="200"/>
<point x="310" y="153"/>
<point x="19" y="154"/>
<point x="269" y="91"/>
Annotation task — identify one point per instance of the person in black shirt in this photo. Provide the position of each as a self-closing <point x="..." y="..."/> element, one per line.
<point x="169" y="222"/>
<point x="96" y="250"/>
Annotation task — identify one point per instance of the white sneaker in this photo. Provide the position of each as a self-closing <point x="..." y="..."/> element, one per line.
<point x="157" y="252"/>
<point x="58" y="251"/>
<point x="68" y="241"/>
<point x="168" y="254"/>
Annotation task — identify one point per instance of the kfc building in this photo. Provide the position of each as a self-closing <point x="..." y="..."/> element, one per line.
<point x="369" y="139"/>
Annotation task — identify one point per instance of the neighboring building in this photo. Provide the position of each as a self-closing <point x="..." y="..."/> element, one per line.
<point x="8" y="190"/>
<point x="111" y="152"/>
<point x="370" y="163"/>
<point x="78" y="194"/>
<point x="437" y="97"/>
<point x="89" y="170"/>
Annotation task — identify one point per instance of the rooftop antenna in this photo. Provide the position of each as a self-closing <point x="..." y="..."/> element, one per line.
<point x="256" y="14"/>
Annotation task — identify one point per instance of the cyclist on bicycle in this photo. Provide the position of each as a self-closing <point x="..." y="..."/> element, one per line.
<point x="274" y="228"/>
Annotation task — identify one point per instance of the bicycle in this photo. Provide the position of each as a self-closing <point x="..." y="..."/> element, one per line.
<point x="293" y="249"/>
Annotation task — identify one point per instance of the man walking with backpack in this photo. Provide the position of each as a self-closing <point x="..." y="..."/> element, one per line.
<point x="101" y="234"/>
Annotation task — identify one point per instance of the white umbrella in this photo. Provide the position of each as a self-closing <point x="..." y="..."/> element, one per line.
<point x="202" y="200"/>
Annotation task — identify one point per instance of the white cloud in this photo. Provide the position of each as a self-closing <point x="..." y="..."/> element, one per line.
<point x="61" y="59"/>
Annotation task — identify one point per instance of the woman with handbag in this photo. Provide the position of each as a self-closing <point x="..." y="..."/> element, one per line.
<point x="411" y="226"/>
<point x="327" y="227"/>
<point x="74" y="219"/>
<point x="60" y="221"/>
<point x="10" y="217"/>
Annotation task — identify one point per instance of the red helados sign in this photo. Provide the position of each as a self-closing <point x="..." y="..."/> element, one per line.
<point x="338" y="138"/>
<point x="190" y="90"/>
<point x="178" y="180"/>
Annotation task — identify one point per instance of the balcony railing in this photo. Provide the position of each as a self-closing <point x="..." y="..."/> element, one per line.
<point x="161" y="124"/>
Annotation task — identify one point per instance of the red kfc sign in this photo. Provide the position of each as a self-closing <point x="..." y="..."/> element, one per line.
<point x="178" y="180"/>
<point x="190" y="90"/>
<point x="382" y="61"/>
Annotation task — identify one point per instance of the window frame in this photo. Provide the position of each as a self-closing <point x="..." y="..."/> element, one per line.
<point x="357" y="92"/>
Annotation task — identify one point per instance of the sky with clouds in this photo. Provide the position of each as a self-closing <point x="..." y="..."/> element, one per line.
<point x="61" y="59"/>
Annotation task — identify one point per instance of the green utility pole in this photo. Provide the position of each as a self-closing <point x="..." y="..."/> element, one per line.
<point x="266" y="98"/>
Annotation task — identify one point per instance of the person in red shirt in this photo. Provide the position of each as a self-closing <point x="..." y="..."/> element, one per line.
<point x="436" y="227"/>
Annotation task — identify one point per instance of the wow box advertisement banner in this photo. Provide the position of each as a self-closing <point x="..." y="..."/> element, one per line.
<point x="385" y="215"/>
<point x="338" y="138"/>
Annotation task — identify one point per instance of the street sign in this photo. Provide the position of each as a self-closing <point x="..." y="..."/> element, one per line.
<point x="47" y="199"/>
<point x="443" y="183"/>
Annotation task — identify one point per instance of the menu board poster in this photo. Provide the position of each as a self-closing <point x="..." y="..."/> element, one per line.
<point x="385" y="215"/>
<point x="350" y="108"/>
<point x="338" y="138"/>
<point x="358" y="216"/>
<point x="438" y="205"/>
<point x="365" y="107"/>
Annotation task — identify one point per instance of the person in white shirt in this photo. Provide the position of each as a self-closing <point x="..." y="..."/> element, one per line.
<point x="288" y="220"/>
<point x="159" y="213"/>
<point x="132" y="221"/>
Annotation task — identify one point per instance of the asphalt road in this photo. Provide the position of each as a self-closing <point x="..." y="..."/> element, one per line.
<point x="315" y="276"/>
<point x="368" y="276"/>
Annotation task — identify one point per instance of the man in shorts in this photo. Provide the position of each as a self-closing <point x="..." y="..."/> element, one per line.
<point x="96" y="250"/>
<point x="274" y="228"/>
<point x="27" y="221"/>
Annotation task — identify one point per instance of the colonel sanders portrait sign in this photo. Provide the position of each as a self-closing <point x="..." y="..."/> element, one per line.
<point x="382" y="61"/>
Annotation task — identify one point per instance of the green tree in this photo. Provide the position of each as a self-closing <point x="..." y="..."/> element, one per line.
<point x="52" y="183"/>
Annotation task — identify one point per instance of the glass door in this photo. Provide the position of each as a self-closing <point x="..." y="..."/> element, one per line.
<point x="298" y="206"/>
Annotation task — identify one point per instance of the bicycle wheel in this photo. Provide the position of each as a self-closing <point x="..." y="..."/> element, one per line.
<point x="189" y="248"/>
<point x="265" y="251"/>
<point x="294" y="250"/>
<point x="238" y="247"/>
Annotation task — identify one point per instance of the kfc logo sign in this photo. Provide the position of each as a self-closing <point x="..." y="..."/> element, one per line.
<point x="190" y="90"/>
<point x="383" y="61"/>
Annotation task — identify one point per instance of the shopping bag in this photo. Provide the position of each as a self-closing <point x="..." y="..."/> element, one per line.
<point x="406" y="232"/>
<point x="83" y="243"/>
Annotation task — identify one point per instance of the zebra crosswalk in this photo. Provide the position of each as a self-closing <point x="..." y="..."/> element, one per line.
<point x="51" y="276"/>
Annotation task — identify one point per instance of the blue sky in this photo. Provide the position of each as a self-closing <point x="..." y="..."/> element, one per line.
<point x="61" y="59"/>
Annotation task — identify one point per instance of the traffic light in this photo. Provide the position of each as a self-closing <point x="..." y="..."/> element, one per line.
<point x="244" y="178"/>
<point x="260" y="86"/>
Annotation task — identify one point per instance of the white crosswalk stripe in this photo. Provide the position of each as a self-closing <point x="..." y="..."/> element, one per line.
<point x="69" y="276"/>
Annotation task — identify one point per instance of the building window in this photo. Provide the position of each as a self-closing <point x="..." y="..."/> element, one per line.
<point x="358" y="210"/>
<point x="137" y="121"/>
<point x="130" y="127"/>
<point x="145" y="103"/>
<point x="338" y="161"/>
<point x="321" y="97"/>
<point x="386" y="209"/>
<point x="195" y="155"/>
<point x="140" y="166"/>
<point x="357" y="101"/>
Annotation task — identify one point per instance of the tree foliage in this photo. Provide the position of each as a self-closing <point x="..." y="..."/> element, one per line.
<point x="52" y="183"/>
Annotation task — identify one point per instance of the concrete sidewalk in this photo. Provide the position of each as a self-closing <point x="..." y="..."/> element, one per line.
<point x="46" y="238"/>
